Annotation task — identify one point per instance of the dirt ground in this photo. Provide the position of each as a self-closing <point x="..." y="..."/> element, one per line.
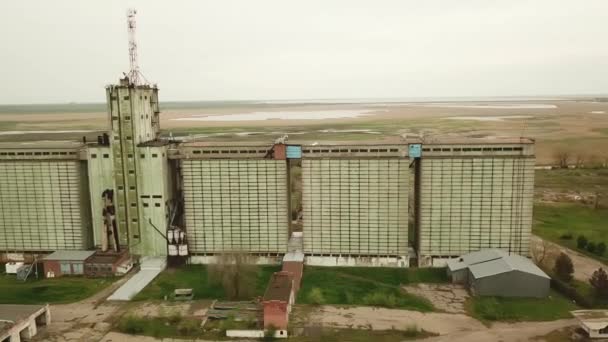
<point x="449" y="298"/>
<point x="385" y="319"/>
<point x="584" y="266"/>
<point x="577" y="126"/>
<point x="450" y="327"/>
<point x="87" y="320"/>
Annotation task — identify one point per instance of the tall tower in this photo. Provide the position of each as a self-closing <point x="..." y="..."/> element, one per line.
<point x="134" y="121"/>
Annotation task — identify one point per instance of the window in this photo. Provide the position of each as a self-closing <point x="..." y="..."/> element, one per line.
<point x="127" y="117"/>
<point x="146" y="205"/>
<point x="77" y="268"/>
<point x="157" y="196"/>
<point x="126" y="97"/>
<point x="394" y="150"/>
<point x="145" y="196"/>
<point x="132" y="187"/>
<point x="157" y="205"/>
<point x="120" y="187"/>
<point x="133" y="205"/>
<point x="131" y="172"/>
<point x="65" y="267"/>
<point x="93" y="155"/>
<point x="106" y="155"/>
<point x="129" y="155"/>
<point x="154" y="155"/>
<point x="134" y="220"/>
<point x="129" y="137"/>
<point x="142" y="155"/>
<point x="196" y="152"/>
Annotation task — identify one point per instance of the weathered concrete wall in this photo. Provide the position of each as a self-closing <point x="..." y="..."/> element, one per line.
<point x="355" y="206"/>
<point x="475" y="199"/>
<point x="236" y="205"/>
<point x="100" y="168"/>
<point x="43" y="206"/>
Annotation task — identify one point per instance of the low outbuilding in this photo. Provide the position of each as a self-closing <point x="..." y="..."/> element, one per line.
<point x="494" y="272"/>
<point x="62" y="263"/>
<point x="278" y="300"/>
<point x="593" y="322"/>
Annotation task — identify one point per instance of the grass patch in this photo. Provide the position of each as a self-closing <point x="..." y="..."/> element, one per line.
<point x="555" y="306"/>
<point x="196" y="277"/>
<point x="558" y="219"/>
<point x="366" y="286"/>
<point x="53" y="290"/>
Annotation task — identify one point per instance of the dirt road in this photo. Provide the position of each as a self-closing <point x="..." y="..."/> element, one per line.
<point x="584" y="266"/>
<point x="82" y="321"/>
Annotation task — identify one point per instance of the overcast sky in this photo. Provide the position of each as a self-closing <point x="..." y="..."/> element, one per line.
<point x="66" y="51"/>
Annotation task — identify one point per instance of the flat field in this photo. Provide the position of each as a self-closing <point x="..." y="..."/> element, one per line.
<point x="376" y="286"/>
<point x="578" y="127"/>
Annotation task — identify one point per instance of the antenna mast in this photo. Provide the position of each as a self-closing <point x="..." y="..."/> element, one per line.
<point x="133" y="74"/>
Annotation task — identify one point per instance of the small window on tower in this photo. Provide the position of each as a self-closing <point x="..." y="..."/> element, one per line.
<point x="126" y="97"/>
<point x="105" y="155"/>
<point x="142" y="155"/>
<point x="157" y="204"/>
<point x="93" y="155"/>
<point x="154" y="155"/>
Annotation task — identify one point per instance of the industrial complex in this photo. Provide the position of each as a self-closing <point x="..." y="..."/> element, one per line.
<point x="413" y="201"/>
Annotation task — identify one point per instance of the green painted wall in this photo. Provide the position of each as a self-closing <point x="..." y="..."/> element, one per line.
<point x="355" y="206"/>
<point x="100" y="177"/>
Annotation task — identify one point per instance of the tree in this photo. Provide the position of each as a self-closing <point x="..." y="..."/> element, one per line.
<point x="581" y="242"/>
<point x="236" y="272"/>
<point x="600" y="249"/>
<point x="563" y="267"/>
<point x="591" y="247"/>
<point x="599" y="282"/>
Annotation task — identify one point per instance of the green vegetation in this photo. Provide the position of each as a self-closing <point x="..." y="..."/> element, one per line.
<point x="196" y="277"/>
<point x="161" y="327"/>
<point x="366" y="286"/>
<point x="551" y="221"/>
<point x="555" y="306"/>
<point x="53" y="290"/>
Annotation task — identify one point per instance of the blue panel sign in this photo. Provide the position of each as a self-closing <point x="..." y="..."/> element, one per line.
<point x="294" y="152"/>
<point x="415" y="150"/>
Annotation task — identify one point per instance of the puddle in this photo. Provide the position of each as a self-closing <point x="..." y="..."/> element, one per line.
<point x="489" y="118"/>
<point x="283" y="115"/>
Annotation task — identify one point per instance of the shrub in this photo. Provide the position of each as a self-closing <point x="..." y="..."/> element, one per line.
<point x="563" y="267"/>
<point x="570" y="292"/>
<point x="600" y="249"/>
<point x="567" y="236"/>
<point x="411" y="331"/>
<point x="316" y="296"/>
<point x="581" y="242"/>
<point x="131" y="325"/>
<point x="188" y="327"/>
<point x="380" y="298"/>
<point x="599" y="282"/>
<point x="591" y="247"/>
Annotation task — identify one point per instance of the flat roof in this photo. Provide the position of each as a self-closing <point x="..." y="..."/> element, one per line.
<point x="41" y="144"/>
<point x="17" y="312"/>
<point x="279" y="287"/>
<point x="69" y="255"/>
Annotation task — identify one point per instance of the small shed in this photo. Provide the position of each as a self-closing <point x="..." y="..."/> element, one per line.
<point x="593" y="322"/>
<point x="497" y="273"/>
<point x="60" y="263"/>
<point x="278" y="298"/>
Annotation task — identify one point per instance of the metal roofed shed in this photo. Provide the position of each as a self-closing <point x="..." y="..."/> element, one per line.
<point x="494" y="272"/>
<point x="61" y="263"/>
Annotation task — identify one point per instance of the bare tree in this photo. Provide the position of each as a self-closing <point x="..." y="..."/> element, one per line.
<point x="562" y="157"/>
<point x="236" y="272"/>
<point x="544" y="254"/>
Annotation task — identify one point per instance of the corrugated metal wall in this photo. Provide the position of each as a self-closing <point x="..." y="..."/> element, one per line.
<point x="40" y="206"/>
<point x="472" y="203"/>
<point x="236" y="205"/>
<point x="355" y="206"/>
